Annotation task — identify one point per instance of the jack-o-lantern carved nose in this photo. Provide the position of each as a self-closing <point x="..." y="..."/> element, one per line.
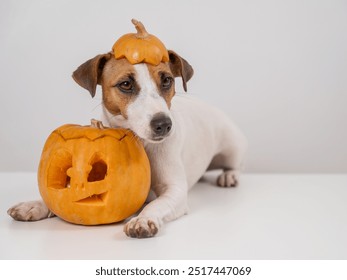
<point x="74" y="178"/>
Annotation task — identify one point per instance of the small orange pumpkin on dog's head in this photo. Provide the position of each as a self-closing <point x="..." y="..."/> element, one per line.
<point x="93" y="175"/>
<point x="140" y="47"/>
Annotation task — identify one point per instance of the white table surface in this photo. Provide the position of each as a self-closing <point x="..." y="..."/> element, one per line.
<point x="266" y="217"/>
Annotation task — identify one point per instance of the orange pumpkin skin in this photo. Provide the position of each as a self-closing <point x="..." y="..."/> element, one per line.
<point x="140" y="47"/>
<point x="93" y="176"/>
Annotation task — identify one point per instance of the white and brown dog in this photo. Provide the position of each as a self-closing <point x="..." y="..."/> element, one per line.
<point x="183" y="137"/>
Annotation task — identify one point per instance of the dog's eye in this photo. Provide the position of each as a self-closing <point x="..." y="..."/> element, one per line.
<point x="126" y="86"/>
<point x="166" y="82"/>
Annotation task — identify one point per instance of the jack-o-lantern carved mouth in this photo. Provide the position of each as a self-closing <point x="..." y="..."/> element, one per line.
<point x="95" y="199"/>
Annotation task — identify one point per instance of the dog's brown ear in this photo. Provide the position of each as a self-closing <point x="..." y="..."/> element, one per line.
<point x="180" y="68"/>
<point x="88" y="74"/>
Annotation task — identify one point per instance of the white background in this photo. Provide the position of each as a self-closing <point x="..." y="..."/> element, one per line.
<point x="278" y="68"/>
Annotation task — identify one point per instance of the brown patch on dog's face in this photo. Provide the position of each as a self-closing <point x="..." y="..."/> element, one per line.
<point x="119" y="86"/>
<point x="164" y="79"/>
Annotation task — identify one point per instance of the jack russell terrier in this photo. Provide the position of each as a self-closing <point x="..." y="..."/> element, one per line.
<point x="183" y="137"/>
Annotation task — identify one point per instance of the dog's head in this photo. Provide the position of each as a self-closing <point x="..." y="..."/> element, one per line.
<point x="137" y="96"/>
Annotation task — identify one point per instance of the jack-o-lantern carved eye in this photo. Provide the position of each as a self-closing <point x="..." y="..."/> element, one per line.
<point x="99" y="169"/>
<point x="57" y="173"/>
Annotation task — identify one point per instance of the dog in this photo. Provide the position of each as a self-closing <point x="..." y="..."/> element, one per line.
<point x="183" y="137"/>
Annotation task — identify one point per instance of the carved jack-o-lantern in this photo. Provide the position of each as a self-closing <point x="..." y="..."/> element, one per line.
<point x="90" y="175"/>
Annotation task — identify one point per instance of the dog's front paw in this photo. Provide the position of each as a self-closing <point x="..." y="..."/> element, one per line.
<point x="229" y="178"/>
<point x="29" y="211"/>
<point x="141" y="227"/>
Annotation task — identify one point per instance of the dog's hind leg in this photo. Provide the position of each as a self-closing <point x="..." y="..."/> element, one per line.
<point x="231" y="169"/>
<point x="230" y="160"/>
<point x="229" y="178"/>
<point x="30" y="211"/>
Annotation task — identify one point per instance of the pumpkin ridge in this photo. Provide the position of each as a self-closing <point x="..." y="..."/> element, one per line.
<point x="121" y="139"/>
<point x="60" y="133"/>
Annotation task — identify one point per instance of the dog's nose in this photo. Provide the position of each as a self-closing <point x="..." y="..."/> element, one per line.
<point x="161" y="125"/>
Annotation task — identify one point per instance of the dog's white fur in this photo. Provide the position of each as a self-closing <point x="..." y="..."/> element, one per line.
<point x="202" y="138"/>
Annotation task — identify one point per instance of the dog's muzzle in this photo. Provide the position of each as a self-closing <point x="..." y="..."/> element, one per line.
<point x="161" y="126"/>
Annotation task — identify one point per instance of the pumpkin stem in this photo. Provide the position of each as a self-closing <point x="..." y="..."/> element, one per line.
<point x="96" y="124"/>
<point x="141" y="30"/>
